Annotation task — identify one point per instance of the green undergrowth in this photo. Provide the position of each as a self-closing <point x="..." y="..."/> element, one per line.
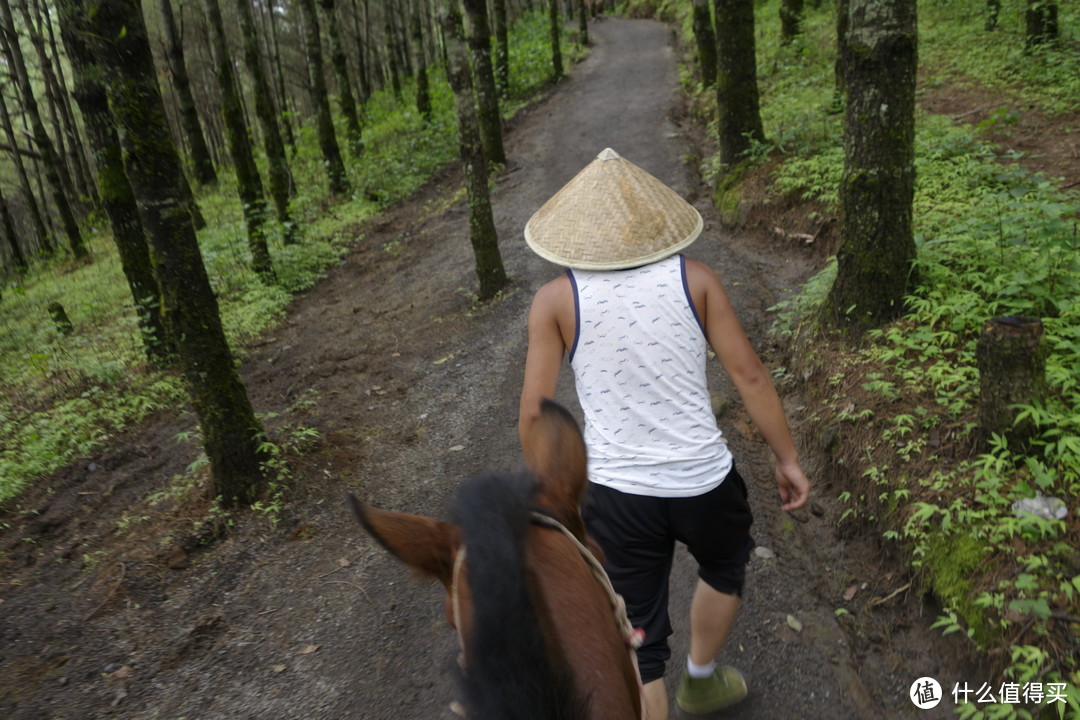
<point x="65" y="396"/>
<point x="898" y="411"/>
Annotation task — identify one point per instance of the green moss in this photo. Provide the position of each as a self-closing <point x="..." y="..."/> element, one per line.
<point x="728" y="195"/>
<point x="952" y="560"/>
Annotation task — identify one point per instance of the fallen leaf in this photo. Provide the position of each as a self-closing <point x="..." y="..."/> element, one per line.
<point x="278" y="668"/>
<point x="851" y="592"/>
<point x="457" y="448"/>
<point x="308" y="650"/>
<point x="343" y="562"/>
<point x="794" y="624"/>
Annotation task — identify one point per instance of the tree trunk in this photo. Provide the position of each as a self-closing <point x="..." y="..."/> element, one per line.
<point x="248" y="183"/>
<point x="335" y="167"/>
<point x="487" y="97"/>
<point x="502" y="49"/>
<point x="274" y="53"/>
<point x="391" y="59"/>
<point x="24" y="180"/>
<point x="117" y="196"/>
<point x="341" y="71"/>
<point x="189" y="114"/>
<point x="7" y="226"/>
<point x="877" y="188"/>
<point x="1041" y="17"/>
<point x="583" y="23"/>
<point x="79" y="152"/>
<point x="60" y="318"/>
<point x="1011" y="357"/>
<point x="423" y="94"/>
<point x="41" y="138"/>
<point x="482" y="233"/>
<point x="71" y="176"/>
<point x="556" y="52"/>
<point x="791" y="16"/>
<point x="360" y="39"/>
<point x="706" y="42"/>
<point x="230" y="429"/>
<point x="280" y="179"/>
<point x="842" y="22"/>
<point x="738" y="105"/>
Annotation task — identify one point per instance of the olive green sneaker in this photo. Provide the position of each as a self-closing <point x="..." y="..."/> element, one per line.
<point x="724" y="688"/>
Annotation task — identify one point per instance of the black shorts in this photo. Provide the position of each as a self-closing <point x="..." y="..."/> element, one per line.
<point x="637" y="534"/>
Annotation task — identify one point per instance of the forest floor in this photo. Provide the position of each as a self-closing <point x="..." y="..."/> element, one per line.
<point x="123" y="599"/>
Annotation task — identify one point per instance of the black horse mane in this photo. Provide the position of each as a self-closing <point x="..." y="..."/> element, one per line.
<point x="511" y="674"/>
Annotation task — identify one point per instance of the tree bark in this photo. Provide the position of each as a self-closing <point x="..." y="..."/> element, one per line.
<point x="583" y="23"/>
<point x="41" y="137"/>
<point x="791" y="17"/>
<point x="877" y="188"/>
<point x="736" y="80"/>
<point x="1011" y="357"/>
<point x="556" y="52"/>
<point x="278" y="164"/>
<point x="7" y="226"/>
<point x="482" y="233"/>
<point x="1041" y="18"/>
<point x="230" y="429"/>
<point x="274" y="53"/>
<point x="360" y="40"/>
<point x="24" y="180"/>
<point x="335" y="167"/>
<point x="706" y="42"/>
<point x="487" y="97"/>
<point x="189" y="114"/>
<point x="248" y="183"/>
<point x="117" y="196"/>
<point x="423" y="94"/>
<point x="341" y="71"/>
<point x="502" y="49"/>
<point x="842" y="23"/>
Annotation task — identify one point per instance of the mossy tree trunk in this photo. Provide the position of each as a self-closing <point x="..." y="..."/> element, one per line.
<point x="201" y="162"/>
<point x="335" y="167"/>
<point x="738" y="104"/>
<point x="583" y="23"/>
<point x="487" y="97"/>
<point x="482" y="233"/>
<point x="1041" y="18"/>
<point x="49" y="161"/>
<point x="117" y="196"/>
<point x="1011" y="357"/>
<point x="248" y="183"/>
<point x="840" y="87"/>
<point x="31" y="200"/>
<point x="7" y="226"/>
<point x="273" y="49"/>
<point x="705" y="35"/>
<point x="423" y="92"/>
<point x="556" y="51"/>
<point x="791" y="17"/>
<point x="877" y="245"/>
<point x="277" y="163"/>
<point x="341" y="71"/>
<point x="230" y="430"/>
<point x="502" y="48"/>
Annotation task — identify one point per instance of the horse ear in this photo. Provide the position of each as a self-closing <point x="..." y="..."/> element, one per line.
<point x="556" y="455"/>
<point x="426" y="545"/>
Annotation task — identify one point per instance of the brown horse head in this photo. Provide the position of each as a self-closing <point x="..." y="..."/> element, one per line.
<point x="538" y="633"/>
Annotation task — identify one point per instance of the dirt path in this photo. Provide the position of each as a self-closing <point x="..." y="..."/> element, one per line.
<point x="417" y="388"/>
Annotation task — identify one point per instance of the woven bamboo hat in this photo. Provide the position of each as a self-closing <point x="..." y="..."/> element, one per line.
<point x="613" y="215"/>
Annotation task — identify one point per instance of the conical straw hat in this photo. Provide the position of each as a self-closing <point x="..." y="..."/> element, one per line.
<point x="613" y="215"/>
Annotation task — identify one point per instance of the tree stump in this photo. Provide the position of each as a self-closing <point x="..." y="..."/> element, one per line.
<point x="1012" y="370"/>
<point x="59" y="316"/>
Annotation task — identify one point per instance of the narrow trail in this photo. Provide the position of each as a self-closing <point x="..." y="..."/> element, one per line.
<point x="416" y="389"/>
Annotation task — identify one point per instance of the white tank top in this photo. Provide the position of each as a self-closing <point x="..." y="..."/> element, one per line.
<point x="639" y="357"/>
